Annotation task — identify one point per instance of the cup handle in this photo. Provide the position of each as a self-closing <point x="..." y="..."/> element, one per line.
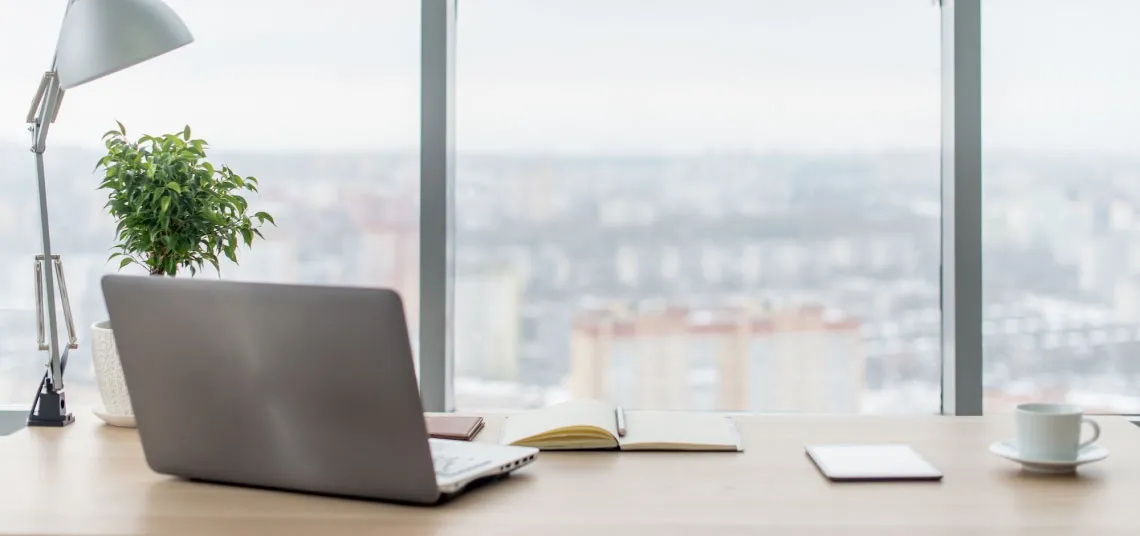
<point x="1095" y="435"/>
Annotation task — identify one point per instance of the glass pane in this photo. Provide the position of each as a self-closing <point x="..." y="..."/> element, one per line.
<point x="320" y="101"/>
<point x="728" y="204"/>
<point x="1061" y="134"/>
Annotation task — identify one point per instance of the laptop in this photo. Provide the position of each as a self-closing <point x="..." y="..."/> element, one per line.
<point x="292" y="387"/>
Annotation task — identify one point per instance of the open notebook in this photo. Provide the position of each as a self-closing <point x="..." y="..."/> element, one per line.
<point x="589" y="425"/>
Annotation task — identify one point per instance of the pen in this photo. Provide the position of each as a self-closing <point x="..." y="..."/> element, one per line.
<point x="620" y="414"/>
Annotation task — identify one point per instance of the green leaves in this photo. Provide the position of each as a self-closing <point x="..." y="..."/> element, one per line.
<point x="173" y="209"/>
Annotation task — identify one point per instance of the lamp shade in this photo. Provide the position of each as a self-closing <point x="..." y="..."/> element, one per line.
<point x="100" y="37"/>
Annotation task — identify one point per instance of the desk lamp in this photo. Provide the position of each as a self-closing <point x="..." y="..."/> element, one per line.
<point x="98" y="37"/>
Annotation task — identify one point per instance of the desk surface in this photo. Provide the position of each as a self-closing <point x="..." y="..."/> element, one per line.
<point x="92" y="479"/>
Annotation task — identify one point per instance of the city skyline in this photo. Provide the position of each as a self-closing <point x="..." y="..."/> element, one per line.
<point x="540" y="242"/>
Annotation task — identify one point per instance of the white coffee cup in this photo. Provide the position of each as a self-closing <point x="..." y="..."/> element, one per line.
<point x="1052" y="432"/>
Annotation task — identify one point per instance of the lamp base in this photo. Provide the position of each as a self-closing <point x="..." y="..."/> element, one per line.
<point x="50" y="410"/>
<point x="50" y="407"/>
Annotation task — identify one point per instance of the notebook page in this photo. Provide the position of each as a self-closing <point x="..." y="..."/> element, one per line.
<point x="572" y="413"/>
<point x="679" y="430"/>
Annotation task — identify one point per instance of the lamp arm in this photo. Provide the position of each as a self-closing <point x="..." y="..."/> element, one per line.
<point x="43" y="110"/>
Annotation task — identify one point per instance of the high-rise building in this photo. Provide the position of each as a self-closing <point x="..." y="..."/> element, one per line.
<point x="735" y="358"/>
<point x="488" y="305"/>
<point x="386" y="245"/>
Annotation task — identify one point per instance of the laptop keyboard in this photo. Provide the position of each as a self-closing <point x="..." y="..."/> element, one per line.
<point x="448" y="464"/>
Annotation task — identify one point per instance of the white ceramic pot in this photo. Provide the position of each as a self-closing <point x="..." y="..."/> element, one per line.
<point x="108" y="371"/>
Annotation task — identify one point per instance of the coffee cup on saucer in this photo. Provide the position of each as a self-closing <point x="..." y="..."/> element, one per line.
<point x="1049" y="438"/>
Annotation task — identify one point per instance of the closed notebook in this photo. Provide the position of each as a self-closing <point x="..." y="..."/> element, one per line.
<point x="592" y="425"/>
<point x="457" y="427"/>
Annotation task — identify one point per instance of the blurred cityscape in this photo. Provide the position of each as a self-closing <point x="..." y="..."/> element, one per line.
<point x="725" y="281"/>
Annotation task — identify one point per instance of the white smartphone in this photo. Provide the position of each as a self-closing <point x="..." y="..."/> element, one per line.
<point x="861" y="463"/>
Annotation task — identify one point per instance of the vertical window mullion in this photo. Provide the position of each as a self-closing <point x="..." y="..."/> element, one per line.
<point x="437" y="203"/>
<point x="961" y="270"/>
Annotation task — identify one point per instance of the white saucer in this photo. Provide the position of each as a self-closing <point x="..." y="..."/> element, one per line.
<point x="1008" y="449"/>
<point x="125" y="421"/>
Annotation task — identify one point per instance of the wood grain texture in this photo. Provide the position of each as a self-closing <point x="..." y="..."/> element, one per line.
<point x="93" y="479"/>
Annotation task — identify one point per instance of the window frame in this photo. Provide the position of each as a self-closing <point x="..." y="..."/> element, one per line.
<point x="961" y="223"/>
<point x="961" y="268"/>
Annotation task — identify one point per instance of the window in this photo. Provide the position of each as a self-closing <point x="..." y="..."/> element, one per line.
<point x="1061" y="133"/>
<point x="321" y="104"/>
<point x="730" y="204"/>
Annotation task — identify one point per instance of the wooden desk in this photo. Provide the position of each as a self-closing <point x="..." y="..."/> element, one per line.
<point x="92" y="479"/>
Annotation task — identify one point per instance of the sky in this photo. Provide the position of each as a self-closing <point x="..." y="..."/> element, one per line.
<point x="602" y="76"/>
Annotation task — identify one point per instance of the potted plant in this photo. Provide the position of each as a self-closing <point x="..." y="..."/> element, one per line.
<point x="174" y="211"/>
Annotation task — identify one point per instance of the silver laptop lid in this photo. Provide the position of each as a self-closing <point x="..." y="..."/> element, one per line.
<point x="307" y="388"/>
